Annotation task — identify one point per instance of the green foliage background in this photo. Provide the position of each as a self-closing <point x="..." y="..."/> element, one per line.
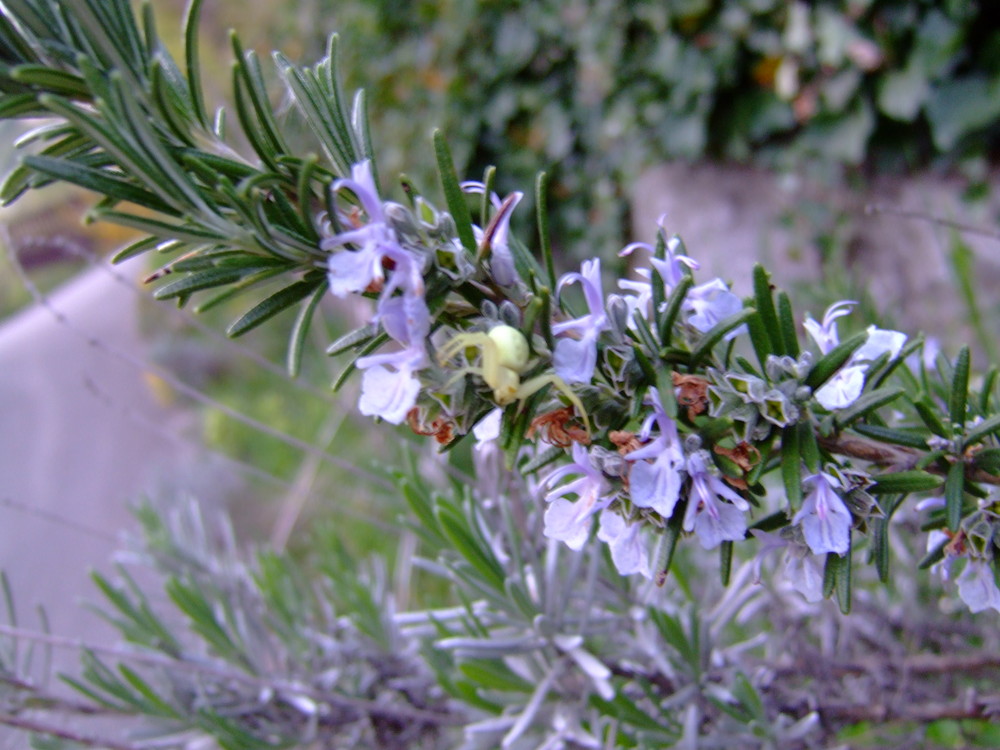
<point x="594" y="91"/>
<point x="594" y="94"/>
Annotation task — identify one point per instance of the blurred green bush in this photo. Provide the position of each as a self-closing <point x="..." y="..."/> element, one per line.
<point x="594" y="91"/>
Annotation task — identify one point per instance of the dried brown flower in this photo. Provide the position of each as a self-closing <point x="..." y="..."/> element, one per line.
<point x="554" y="428"/>
<point x="692" y="393"/>
<point x="441" y="428"/>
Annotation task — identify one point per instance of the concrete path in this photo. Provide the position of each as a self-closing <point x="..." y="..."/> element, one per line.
<point x="76" y="447"/>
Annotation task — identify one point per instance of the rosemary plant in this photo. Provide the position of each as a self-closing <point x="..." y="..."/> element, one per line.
<point x="669" y="414"/>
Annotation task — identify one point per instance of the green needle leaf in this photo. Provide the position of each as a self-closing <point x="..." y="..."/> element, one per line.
<point x="296" y="342"/>
<point x="276" y="303"/>
<point x="834" y="360"/>
<point x="843" y="580"/>
<point x="959" y="388"/>
<point x="868" y="403"/>
<point x="786" y="319"/>
<point x="954" y="495"/>
<point x="929" y="417"/>
<point x="791" y="466"/>
<point x="981" y="430"/>
<point x="198" y="281"/>
<point x="716" y="334"/>
<point x="880" y="545"/>
<point x="892" y="435"/>
<point x="453" y="194"/>
<point x="725" y="562"/>
<point x="542" y="212"/>
<point x="192" y="62"/>
<point x="673" y="309"/>
<point x="764" y="301"/>
<point x="904" y="482"/>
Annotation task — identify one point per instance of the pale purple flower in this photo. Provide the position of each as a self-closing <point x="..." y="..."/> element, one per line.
<point x="501" y="259"/>
<point x="657" y="485"/>
<point x="351" y="272"/>
<point x="389" y="386"/>
<point x="570" y="521"/>
<point x="405" y="318"/>
<point x="977" y="586"/>
<point x="844" y="388"/>
<point x="575" y="358"/>
<point x="880" y="341"/>
<point x="935" y="538"/>
<point x="709" y="304"/>
<point x="641" y="297"/>
<point x="628" y="552"/>
<point x="671" y="268"/>
<point x="804" y="570"/>
<point x="826" y="521"/>
<point x="801" y="568"/>
<point x="487" y="455"/>
<point x="711" y="518"/>
<point x="487" y="429"/>
<point x="825" y="334"/>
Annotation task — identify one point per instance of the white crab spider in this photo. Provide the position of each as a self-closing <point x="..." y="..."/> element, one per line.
<point x="504" y="356"/>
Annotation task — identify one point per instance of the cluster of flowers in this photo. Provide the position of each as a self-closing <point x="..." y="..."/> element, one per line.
<point x="632" y="481"/>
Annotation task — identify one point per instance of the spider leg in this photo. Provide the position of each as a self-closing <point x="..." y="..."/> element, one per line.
<point x="459" y="342"/>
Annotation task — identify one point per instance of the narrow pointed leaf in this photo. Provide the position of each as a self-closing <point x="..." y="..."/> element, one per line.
<point x="192" y="62"/>
<point x="954" y="495"/>
<point x="791" y="466"/>
<point x="198" y="281"/>
<point x="764" y="302"/>
<point x="868" y="403"/>
<point x="673" y="309"/>
<point x="454" y="197"/>
<point x="725" y="562"/>
<point x="97" y="180"/>
<point x="833" y="360"/>
<point x="843" y="581"/>
<point x="268" y="308"/>
<point x="960" y="388"/>
<point x="909" y="438"/>
<point x="988" y="460"/>
<point x="717" y="333"/>
<point x="296" y="341"/>
<point x="759" y="339"/>
<point x="542" y="218"/>
<point x="51" y="80"/>
<point x="830" y="570"/>
<point x="880" y="548"/>
<point x="933" y="556"/>
<point x="671" y="535"/>
<point x="929" y="417"/>
<point x="981" y="430"/>
<point x="352" y="339"/>
<point x="904" y="482"/>
<point x="808" y="447"/>
<point x="786" y="320"/>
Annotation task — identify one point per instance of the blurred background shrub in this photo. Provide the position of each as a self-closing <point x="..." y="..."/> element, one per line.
<point x="596" y="91"/>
